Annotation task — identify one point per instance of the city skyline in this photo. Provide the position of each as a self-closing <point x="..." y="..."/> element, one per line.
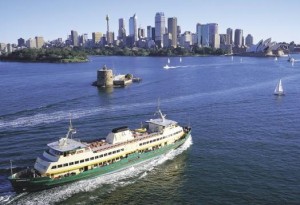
<point x="56" y="19"/>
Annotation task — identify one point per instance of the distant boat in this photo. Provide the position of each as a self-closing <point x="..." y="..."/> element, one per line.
<point x="241" y="59"/>
<point x="166" y="66"/>
<point x="275" y="59"/>
<point x="168" y="60"/>
<point x="180" y="59"/>
<point x="279" y="89"/>
<point x="291" y="59"/>
<point x="231" y="58"/>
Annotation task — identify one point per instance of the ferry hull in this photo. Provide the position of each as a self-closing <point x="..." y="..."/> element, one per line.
<point x="41" y="183"/>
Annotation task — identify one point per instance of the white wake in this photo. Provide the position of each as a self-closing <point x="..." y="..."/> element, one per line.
<point x="117" y="179"/>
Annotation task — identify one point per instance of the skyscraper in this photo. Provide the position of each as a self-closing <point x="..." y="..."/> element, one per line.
<point x="141" y="33"/>
<point x="160" y="28"/>
<point x="96" y="37"/>
<point x="39" y="41"/>
<point x="153" y="34"/>
<point x="238" y="37"/>
<point x="21" y="42"/>
<point x="199" y="34"/>
<point x="205" y="35"/>
<point x="229" y="36"/>
<point x="214" y="38"/>
<point x="249" y="40"/>
<point x="172" y="29"/>
<point x="133" y="30"/>
<point x="74" y="38"/>
<point x="122" y="30"/>
<point x="149" y="32"/>
<point x="30" y="43"/>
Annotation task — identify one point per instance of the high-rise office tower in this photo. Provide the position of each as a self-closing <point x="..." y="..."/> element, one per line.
<point x="153" y="33"/>
<point x="141" y="33"/>
<point x="178" y="31"/>
<point x="21" y="42"/>
<point x="133" y="29"/>
<point x="39" y="41"/>
<point x="96" y="37"/>
<point x="160" y="28"/>
<point x="199" y="34"/>
<point x="223" y="39"/>
<point x="229" y="36"/>
<point x="172" y="29"/>
<point x="30" y="43"/>
<point x="249" y="40"/>
<point x="214" y="38"/>
<point x="149" y="32"/>
<point x="122" y="30"/>
<point x="205" y="35"/>
<point x="238" y="37"/>
<point x="74" y="38"/>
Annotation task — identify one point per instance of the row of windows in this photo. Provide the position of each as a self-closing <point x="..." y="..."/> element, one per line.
<point x="87" y="159"/>
<point x="157" y="139"/>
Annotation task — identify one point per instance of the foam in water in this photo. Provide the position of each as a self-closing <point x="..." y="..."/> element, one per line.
<point x="118" y="179"/>
<point x="47" y="118"/>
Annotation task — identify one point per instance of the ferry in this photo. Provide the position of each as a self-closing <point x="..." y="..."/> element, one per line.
<point x="68" y="159"/>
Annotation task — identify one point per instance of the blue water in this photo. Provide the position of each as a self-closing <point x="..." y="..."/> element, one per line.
<point x="245" y="144"/>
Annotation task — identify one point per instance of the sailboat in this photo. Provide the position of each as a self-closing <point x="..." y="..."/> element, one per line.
<point x="167" y="65"/>
<point x="279" y="89"/>
<point x="275" y="59"/>
<point x="180" y="59"/>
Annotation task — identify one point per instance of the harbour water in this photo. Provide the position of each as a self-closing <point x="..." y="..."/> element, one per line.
<point x="245" y="144"/>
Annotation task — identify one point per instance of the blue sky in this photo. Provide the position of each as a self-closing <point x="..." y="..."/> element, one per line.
<point x="279" y="19"/>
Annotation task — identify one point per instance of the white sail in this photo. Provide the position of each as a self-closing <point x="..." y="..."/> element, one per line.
<point x="279" y="88"/>
<point x="180" y="59"/>
<point x="168" y="60"/>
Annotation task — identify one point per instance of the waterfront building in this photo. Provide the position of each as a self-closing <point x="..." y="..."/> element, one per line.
<point x="21" y="42"/>
<point x="178" y="31"/>
<point x="39" y="42"/>
<point x="199" y="34"/>
<point x="205" y="35"/>
<point x="2" y="46"/>
<point x="141" y="33"/>
<point x="214" y="38"/>
<point x="96" y="37"/>
<point x="238" y="38"/>
<point x="160" y="28"/>
<point x="30" y="43"/>
<point x="249" y="40"/>
<point x="133" y="30"/>
<point x="122" y="30"/>
<point x="172" y="29"/>
<point x="167" y="40"/>
<point x="149" y="32"/>
<point x="186" y="39"/>
<point x="229" y="33"/>
<point x="223" y="39"/>
<point x="153" y="34"/>
<point x="267" y="48"/>
<point x="74" y="38"/>
<point x="9" y="48"/>
<point x="110" y="37"/>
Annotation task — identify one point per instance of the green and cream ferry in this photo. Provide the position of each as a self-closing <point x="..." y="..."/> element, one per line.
<point x="68" y="160"/>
